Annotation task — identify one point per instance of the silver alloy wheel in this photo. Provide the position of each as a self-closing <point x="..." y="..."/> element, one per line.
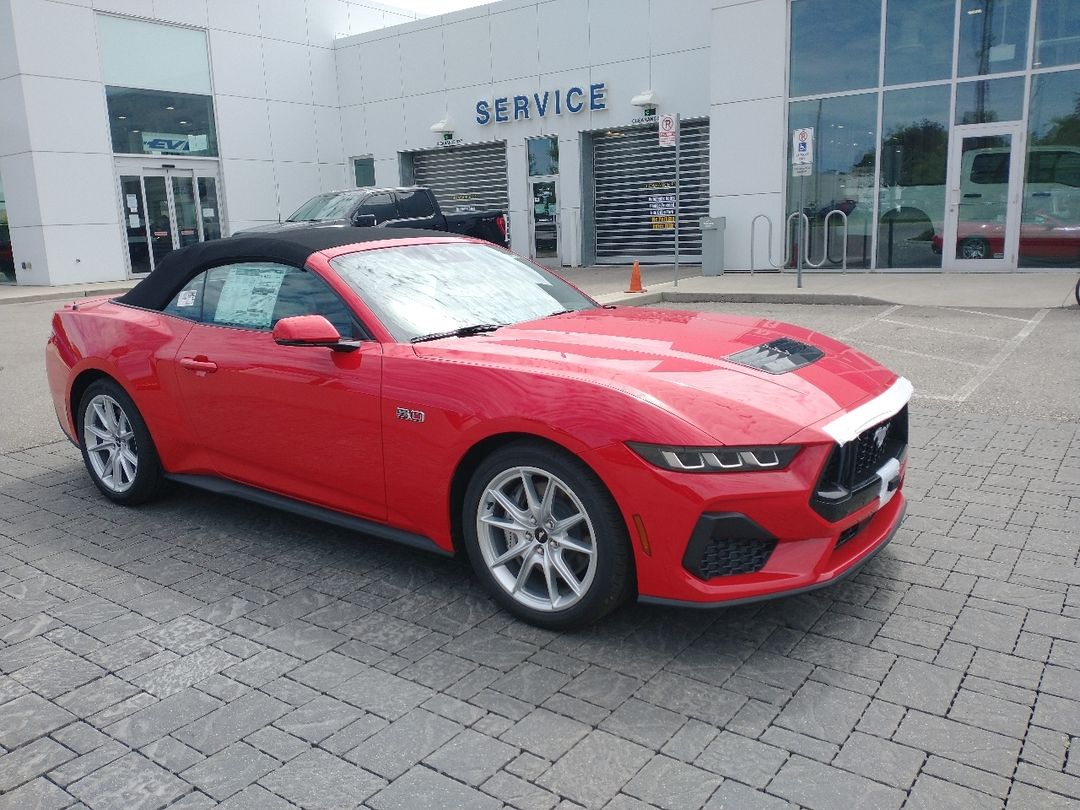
<point x="536" y="538"/>
<point x="110" y="443"/>
<point x="974" y="249"/>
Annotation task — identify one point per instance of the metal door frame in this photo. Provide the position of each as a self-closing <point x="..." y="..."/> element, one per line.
<point x="152" y="167"/>
<point x="547" y="261"/>
<point x="1014" y="195"/>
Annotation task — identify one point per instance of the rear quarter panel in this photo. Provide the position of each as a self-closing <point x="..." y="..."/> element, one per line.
<point x="136" y="348"/>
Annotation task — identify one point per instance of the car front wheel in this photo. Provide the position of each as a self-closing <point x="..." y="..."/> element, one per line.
<point x="975" y="249"/>
<point x="545" y="537"/>
<point x="116" y="445"/>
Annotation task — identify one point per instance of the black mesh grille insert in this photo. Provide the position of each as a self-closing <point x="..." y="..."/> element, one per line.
<point x="725" y="557"/>
<point x="725" y="544"/>
<point x="778" y="356"/>
<point x="846" y="481"/>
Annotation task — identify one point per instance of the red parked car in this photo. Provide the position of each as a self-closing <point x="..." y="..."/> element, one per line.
<point x="1042" y="237"/>
<point x="444" y="393"/>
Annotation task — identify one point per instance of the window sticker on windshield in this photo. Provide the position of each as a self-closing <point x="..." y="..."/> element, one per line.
<point x="186" y="298"/>
<point x="249" y="296"/>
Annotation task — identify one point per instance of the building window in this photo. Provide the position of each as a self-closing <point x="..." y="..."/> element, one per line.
<point x="1057" y="33"/>
<point x="157" y="122"/>
<point x="919" y="40"/>
<point x="845" y="147"/>
<point x="1050" y="222"/>
<point x="834" y="45"/>
<point x="914" y="155"/>
<point x="988" y="101"/>
<point x="7" y="260"/>
<point x="543" y="156"/>
<point x="157" y="90"/>
<point x="993" y="36"/>
<point x="363" y="171"/>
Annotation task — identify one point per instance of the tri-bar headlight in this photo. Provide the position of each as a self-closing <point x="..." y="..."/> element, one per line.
<point x="716" y="459"/>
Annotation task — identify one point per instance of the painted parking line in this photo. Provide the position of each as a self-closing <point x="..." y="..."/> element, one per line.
<point x="873" y="319"/>
<point x="1001" y="357"/>
<point x="944" y="331"/>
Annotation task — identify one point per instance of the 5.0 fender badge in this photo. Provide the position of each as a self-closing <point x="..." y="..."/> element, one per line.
<point x="409" y="415"/>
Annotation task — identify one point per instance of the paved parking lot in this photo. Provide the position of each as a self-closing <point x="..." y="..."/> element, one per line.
<point x="203" y="650"/>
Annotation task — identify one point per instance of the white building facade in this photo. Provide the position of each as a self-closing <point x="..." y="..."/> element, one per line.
<point x="945" y="133"/>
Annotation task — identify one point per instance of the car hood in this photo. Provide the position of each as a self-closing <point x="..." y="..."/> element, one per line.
<point x="678" y="360"/>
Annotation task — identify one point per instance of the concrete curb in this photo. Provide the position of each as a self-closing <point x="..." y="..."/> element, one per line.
<point x="671" y="296"/>
<point x="61" y="295"/>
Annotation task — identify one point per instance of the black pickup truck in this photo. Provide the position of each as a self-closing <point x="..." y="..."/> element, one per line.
<point x="407" y="207"/>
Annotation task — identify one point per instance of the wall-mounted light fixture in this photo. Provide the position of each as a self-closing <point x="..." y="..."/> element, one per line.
<point x="647" y="100"/>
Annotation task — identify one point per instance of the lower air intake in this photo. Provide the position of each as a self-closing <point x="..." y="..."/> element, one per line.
<point x="727" y="544"/>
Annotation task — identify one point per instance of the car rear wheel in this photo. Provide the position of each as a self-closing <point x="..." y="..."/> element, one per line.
<point x="545" y="537"/>
<point x="975" y="249"/>
<point x="116" y="445"/>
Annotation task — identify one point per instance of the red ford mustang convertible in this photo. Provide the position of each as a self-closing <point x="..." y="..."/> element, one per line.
<point x="446" y="394"/>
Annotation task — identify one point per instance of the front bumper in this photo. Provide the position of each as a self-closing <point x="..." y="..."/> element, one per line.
<point x="806" y="550"/>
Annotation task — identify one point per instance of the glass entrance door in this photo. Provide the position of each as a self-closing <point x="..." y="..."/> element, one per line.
<point x="982" y="218"/>
<point x="545" y="221"/>
<point x="165" y="208"/>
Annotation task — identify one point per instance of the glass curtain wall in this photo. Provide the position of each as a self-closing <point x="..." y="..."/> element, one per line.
<point x="7" y="260"/>
<point x="883" y="82"/>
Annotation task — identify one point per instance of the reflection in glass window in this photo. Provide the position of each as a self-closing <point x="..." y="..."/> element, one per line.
<point x="424" y="289"/>
<point x="543" y="156"/>
<point x="843" y="178"/>
<point x="155" y="122"/>
<point x="1050" y="224"/>
<point x="1057" y="33"/>
<point x="7" y="259"/>
<point x="364" y="171"/>
<point x="914" y="154"/>
<point x="919" y="40"/>
<point x="987" y="101"/>
<point x="834" y="45"/>
<point x="993" y="36"/>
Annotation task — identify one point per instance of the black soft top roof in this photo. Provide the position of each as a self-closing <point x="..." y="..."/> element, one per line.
<point x="291" y="247"/>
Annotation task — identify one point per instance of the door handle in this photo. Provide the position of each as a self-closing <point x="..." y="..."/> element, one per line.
<point x="198" y="364"/>
<point x="972" y="196"/>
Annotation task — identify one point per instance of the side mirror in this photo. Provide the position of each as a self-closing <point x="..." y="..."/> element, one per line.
<point x="311" y="330"/>
<point x="365" y="221"/>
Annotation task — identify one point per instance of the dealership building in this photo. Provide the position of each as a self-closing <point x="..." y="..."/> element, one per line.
<point x="938" y="135"/>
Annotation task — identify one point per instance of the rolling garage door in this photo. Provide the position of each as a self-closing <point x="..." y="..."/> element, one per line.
<point x="464" y="178"/>
<point x="634" y="193"/>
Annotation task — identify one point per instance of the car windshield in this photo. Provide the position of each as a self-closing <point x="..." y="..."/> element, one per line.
<point x="325" y="207"/>
<point x="422" y="290"/>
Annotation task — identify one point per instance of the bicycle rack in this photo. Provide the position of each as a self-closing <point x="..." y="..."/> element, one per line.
<point x="753" y="241"/>
<point x="825" y="247"/>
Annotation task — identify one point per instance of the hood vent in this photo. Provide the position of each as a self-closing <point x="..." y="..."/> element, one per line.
<point x="778" y="356"/>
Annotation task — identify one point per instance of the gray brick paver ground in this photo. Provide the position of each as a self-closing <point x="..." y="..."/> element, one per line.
<point x="944" y="675"/>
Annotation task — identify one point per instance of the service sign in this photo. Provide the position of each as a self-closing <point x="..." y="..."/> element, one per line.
<point x="557" y="101"/>
<point x="802" y="146"/>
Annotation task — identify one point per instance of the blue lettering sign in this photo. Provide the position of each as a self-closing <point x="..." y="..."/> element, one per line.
<point x="597" y="96"/>
<point x="574" y="91"/>
<point x="483" y="116"/>
<point x="168" y="145"/>
<point x="573" y="100"/>
<point x="541" y="107"/>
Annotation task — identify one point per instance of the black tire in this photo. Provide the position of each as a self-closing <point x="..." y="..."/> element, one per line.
<point x="1078" y="292"/>
<point x="974" y="249"/>
<point x="148" y="480"/>
<point x="612" y="579"/>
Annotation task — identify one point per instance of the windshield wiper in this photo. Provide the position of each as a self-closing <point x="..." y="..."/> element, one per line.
<point x="463" y="331"/>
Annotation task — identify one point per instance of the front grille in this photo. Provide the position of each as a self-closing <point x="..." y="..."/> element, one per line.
<point x="725" y="544"/>
<point x="848" y="481"/>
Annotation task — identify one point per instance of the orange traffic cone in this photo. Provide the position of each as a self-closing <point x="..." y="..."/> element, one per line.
<point x="635" y="279"/>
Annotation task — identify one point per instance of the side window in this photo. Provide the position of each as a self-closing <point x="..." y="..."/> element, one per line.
<point x="990" y="169"/>
<point x="256" y="295"/>
<point x="188" y="303"/>
<point x="381" y="205"/>
<point x="1067" y="172"/>
<point x="415" y="204"/>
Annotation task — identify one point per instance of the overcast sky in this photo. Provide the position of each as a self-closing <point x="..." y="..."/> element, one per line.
<point x="429" y="7"/>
